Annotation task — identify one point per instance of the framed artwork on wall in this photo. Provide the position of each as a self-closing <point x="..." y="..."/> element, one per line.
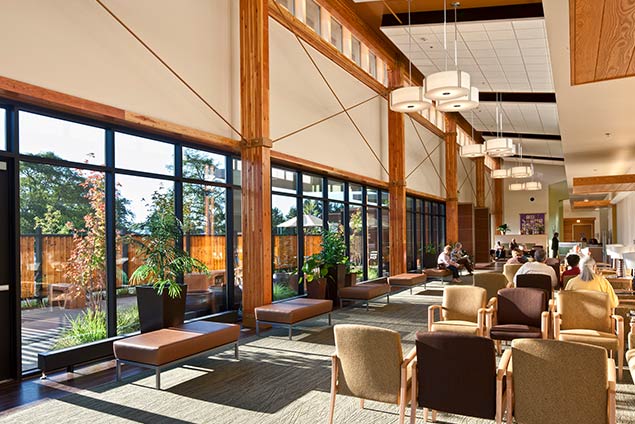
<point x="532" y="223"/>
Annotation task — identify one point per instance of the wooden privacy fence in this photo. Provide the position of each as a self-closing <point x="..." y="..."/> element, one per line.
<point x="44" y="257"/>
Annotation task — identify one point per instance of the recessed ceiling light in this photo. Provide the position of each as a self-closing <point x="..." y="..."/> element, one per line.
<point x="577" y="221"/>
<point x="586" y="200"/>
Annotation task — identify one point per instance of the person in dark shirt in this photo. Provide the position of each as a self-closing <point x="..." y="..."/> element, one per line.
<point x="572" y="260"/>
<point x="513" y="245"/>
<point x="554" y="245"/>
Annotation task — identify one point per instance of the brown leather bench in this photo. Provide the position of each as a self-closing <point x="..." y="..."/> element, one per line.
<point x="437" y="273"/>
<point x="366" y="291"/>
<point x="291" y="312"/>
<point x="162" y="348"/>
<point x="408" y="280"/>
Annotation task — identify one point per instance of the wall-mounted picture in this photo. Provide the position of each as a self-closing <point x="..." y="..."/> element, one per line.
<point x="532" y="223"/>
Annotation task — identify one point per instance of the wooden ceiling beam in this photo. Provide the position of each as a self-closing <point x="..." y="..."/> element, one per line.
<point x="604" y="184"/>
<point x="590" y="204"/>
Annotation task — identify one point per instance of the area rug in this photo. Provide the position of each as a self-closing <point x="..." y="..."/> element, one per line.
<point x="275" y="381"/>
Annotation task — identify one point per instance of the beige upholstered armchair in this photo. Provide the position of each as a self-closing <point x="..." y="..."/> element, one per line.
<point x="586" y="317"/>
<point x="540" y="378"/>
<point x="509" y="270"/>
<point x="463" y="311"/>
<point x="492" y="282"/>
<point x="630" y="354"/>
<point x="369" y="364"/>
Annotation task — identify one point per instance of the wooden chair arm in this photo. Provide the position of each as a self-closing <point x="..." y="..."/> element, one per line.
<point x="492" y="303"/>
<point x="612" y="380"/>
<point x="481" y="321"/>
<point x="552" y="305"/>
<point x="618" y="324"/>
<point x="544" y="324"/>
<point x="411" y="356"/>
<point x="431" y="310"/>
<point x="556" y="325"/>
<point x="503" y="364"/>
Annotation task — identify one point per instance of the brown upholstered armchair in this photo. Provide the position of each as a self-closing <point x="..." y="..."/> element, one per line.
<point x="509" y="270"/>
<point x="457" y="373"/>
<point x="586" y="317"/>
<point x="537" y="281"/>
<point x="492" y="282"/>
<point x="540" y="378"/>
<point x="518" y="313"/>
<point x="463" y="311"/>
<point x="369" y="364"/>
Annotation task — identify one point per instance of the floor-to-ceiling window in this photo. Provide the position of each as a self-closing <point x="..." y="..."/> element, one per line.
<point x="425" y="226"/>
<point x="84" y="186"/>
<point x="359" y="212"/>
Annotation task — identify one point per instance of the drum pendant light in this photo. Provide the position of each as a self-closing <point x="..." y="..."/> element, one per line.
<point x="500" y="146"/>
<point x="460" y="104"/>
<point x="474" y="150"/>
<point x="409" y="99"/>
<point x="448" y="85"/>
<point x="500" y="173"/>
<point x="521" y="171"/>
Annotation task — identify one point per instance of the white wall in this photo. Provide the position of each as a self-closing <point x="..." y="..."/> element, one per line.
<point x="517" y="202"/>
<point x="300" y="97"/>
<point x="466" y="172"/>
<point x="425" y="177"/>
<point x="75" y="47"/>
<point x="626" y="220"/>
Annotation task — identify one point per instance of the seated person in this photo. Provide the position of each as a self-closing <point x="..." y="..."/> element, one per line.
<point x="593" y="241"/>
<point x="513" y="245"/>
<point x="588" y="280"/>
<point x="572" y="261"/>
<point x="499" y="250"/>
<point x="517" y="258"/>
<point x="445" y="262"/>
<point x="538" y="266"/>
<point x="461" y="257"/>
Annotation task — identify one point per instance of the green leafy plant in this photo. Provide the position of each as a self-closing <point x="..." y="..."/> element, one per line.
<point x="281" y="291"/>
<point x="90" y="326"/>
<point x="164" y="261"/>
<point x="333" y="249"/>
<point x="431" y="249"/>
<point x="503" y="228"/>
<point x="313" y="268"/>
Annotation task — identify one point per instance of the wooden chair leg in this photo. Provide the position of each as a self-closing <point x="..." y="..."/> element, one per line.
<point x="334" y="372"/>
<point x="434" y="415"/>
<point x="402" y="410"/>
<point x="499" y="350"/>
<point x="425" y="415"/>
<point x="361" y="403"/>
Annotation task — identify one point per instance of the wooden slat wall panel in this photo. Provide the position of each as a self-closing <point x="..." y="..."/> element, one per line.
<point x="481" y="235"/>
<point x="466" y="226"/>
<point x="602" y="39"/>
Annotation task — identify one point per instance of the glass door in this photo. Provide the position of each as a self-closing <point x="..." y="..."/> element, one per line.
<point x="7" y="273"/>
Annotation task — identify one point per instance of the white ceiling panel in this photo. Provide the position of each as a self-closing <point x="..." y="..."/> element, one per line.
<point x="532" y="118"/>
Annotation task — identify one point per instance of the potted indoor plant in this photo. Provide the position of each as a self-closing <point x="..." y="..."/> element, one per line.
<point x="430" y="256"/>
<point x="503" y="229"/>
<point x="334" y="259"/>
<point x="160" y="295"/>
<point x="314" y="273"/>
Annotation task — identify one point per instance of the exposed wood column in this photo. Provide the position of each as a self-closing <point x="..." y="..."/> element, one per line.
<point x="499" y="191"/>
<point x="451" y="180"/>
<point x="397" y="188"/>
<point x="256" y="156"/>
<point x="480" y="182"/>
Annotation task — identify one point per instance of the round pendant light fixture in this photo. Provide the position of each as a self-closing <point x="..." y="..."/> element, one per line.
<point x="522" y="171"/>
<point x="408" y="99"/>
<point x="472" y="151"/>
<point x="517" y="187"/>
<point x="448" y="85"/>
<point x="500" y="173"/>
<point x="500" y="147"/>
<point x="533" y="185"/>
<point x="460" y="104"/>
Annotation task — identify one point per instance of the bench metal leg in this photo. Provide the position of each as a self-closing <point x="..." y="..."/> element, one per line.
<point x="236" y="355"/>
<point x="157" y="373"/>
<point x="257" y="329"/>
<point x="367" y="303"/>
<point x="290" y="332"/>
<point x="341" y="304"/>
<point x="330" y="318"/>
<point x="118" y="363"/>
<point x="388" y="298"/>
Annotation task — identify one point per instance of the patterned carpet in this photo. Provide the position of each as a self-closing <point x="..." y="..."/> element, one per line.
<point x="275" y="381"/>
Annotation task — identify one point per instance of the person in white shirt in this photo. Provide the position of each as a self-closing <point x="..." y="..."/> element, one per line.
<point x="445" y="261"/>
<point x="538" y="267"/>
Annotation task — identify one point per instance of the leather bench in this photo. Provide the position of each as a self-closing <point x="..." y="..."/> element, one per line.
<point x="437" y="273"/>
<point x="291" y="312"/>
<point x="366" y="291"/>
<point x="408" y="280"/>
<point x="162" y="348"/>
